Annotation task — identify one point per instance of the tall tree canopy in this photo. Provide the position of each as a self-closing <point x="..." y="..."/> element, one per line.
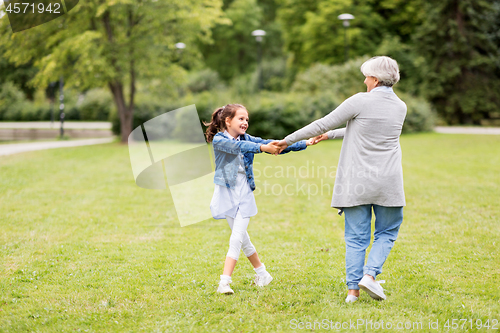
<point x="113" y="43"/>
<point x="461" y="44"/>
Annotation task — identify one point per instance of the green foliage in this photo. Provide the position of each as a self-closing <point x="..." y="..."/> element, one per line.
<point x="15" y="107"/>
<point x="315" y="93"/>
<point x="277" y="115"/>
<point x="96" y="105"/>
<point x="412" y="66"/>
<point x="463" y="66"/>
<point x="146" y="109"/>
<point x="12" y="100"/>
<point x="19" y="75"/>
<point x="113" y="43"/>
<point x="420" y="116"/>
<point x="206" y="79"/>
<point x="234" y="49"/>
<point x="342" y="81"/>
<point x="274" y="74"/>
<point x="312" y="32"/>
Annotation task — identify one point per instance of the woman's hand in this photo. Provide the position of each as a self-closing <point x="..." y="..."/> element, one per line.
<point x="282" y="145"/>
<point x="317" y="139"/>
<point x="271" y="148"/>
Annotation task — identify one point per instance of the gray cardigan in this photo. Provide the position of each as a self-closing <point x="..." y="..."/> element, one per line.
<point x="369" y="170"/>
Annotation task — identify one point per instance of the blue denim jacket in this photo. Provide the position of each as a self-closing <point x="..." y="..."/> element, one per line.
<point x="227" y="151"/>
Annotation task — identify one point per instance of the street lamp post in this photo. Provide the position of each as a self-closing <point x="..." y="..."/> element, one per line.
<point x="180" y="47"/>
<point x="61" y="105"/>
<point x="52" y="95"/>
<point x="258" y="37"/>
<point x="345" y="18"/>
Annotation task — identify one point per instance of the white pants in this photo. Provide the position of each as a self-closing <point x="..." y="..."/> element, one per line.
<point x="239" y="237"/>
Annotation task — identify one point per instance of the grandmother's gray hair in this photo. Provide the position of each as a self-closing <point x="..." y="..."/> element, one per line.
<point x="385" y="69"/>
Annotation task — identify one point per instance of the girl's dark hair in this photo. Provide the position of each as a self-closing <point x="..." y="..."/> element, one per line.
<point x="218" y="122"/>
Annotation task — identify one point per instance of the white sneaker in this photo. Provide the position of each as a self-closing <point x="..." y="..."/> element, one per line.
<point x="263" y="281"/>
<point x="351" y="299"/>
<point x="224" y="288"/>
<point x="372" y="287"/>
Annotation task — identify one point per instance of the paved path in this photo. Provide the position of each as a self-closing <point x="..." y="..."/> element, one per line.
<point x="57" y="124"/>
<point x="15" y="148"/>
<point x="467" y="130"/>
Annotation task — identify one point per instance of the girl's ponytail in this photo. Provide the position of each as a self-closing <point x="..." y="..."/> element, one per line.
<point x="218" y="122"/>
<point x="214" y="125"/>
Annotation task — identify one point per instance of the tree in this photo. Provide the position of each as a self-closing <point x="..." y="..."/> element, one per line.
<point x="17" y="75"/>
<point x="234" y="49"/>
<point x="113" y="43"/>
<point x="460" y="42"/>
<point x="313" y="33"/>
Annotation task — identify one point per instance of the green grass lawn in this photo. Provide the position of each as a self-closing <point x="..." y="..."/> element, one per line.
<point x="84" y="249"/>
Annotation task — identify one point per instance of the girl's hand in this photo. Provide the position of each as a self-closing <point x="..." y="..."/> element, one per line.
<point x="317" y="139"/>
<point x="283" y="145"/>
<point x="271" y="148"/>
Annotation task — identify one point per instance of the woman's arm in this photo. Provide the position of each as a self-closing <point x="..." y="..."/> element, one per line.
<point x="298" y="146"/>
<point x="330" y="135"/>
<point x="347" y="110"/>
<point x="336" y="133"/>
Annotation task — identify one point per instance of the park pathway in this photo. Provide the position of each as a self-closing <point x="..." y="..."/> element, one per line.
<point x="15" y="148"/>
<point x="467" y="130"/>
<point x="57" y="124"/>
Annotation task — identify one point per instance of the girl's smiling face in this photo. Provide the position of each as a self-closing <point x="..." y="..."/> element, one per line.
<point x="239" y="124"/>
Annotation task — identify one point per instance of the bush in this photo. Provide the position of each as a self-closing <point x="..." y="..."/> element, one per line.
<point x="277" y="115"/>
<point x="96" y="105"/>
<point x="12" y="102"/>
<point x="341" y="80"/>
<point x="204" y="80"/>
<point x="145" y="109"/>
<point x="274" y="74"/>
<point x="420" y="116"/>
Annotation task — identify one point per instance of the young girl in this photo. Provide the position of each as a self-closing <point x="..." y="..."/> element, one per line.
<point x="233" y="198"/>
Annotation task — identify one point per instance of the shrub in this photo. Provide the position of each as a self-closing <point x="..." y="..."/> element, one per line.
<point x="274" y="74"/>
<point x="96" y="105"/>
<point x="12" y="102"/>
<point x="420" y="116"/>
<point x="277" y="115"/>
<point x="341" y="80"/>
<point x="204" y="80"/>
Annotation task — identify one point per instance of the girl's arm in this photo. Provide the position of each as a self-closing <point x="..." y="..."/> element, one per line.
<point x="230" y="146"/>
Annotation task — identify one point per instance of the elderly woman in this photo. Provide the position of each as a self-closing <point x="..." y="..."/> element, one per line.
<point x="369" y="174"/>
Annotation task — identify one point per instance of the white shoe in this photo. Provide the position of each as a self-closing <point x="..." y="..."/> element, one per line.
<point x="372" y="287"/>
<point x="351" y="299"/>
<point x="263" y="281"/>
<point x="224" y="288"/>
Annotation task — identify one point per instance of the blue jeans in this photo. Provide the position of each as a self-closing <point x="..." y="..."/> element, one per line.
<point x="357" y="239"/>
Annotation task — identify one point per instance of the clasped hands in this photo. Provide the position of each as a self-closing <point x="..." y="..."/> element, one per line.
<point x="276" y="147"/>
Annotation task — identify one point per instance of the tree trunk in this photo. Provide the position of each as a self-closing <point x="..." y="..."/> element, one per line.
<point x="124" y="113"/>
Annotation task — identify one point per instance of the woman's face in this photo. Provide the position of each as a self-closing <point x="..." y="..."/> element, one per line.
<point x="371" y="82"/>
<point x="239" y="124"/>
